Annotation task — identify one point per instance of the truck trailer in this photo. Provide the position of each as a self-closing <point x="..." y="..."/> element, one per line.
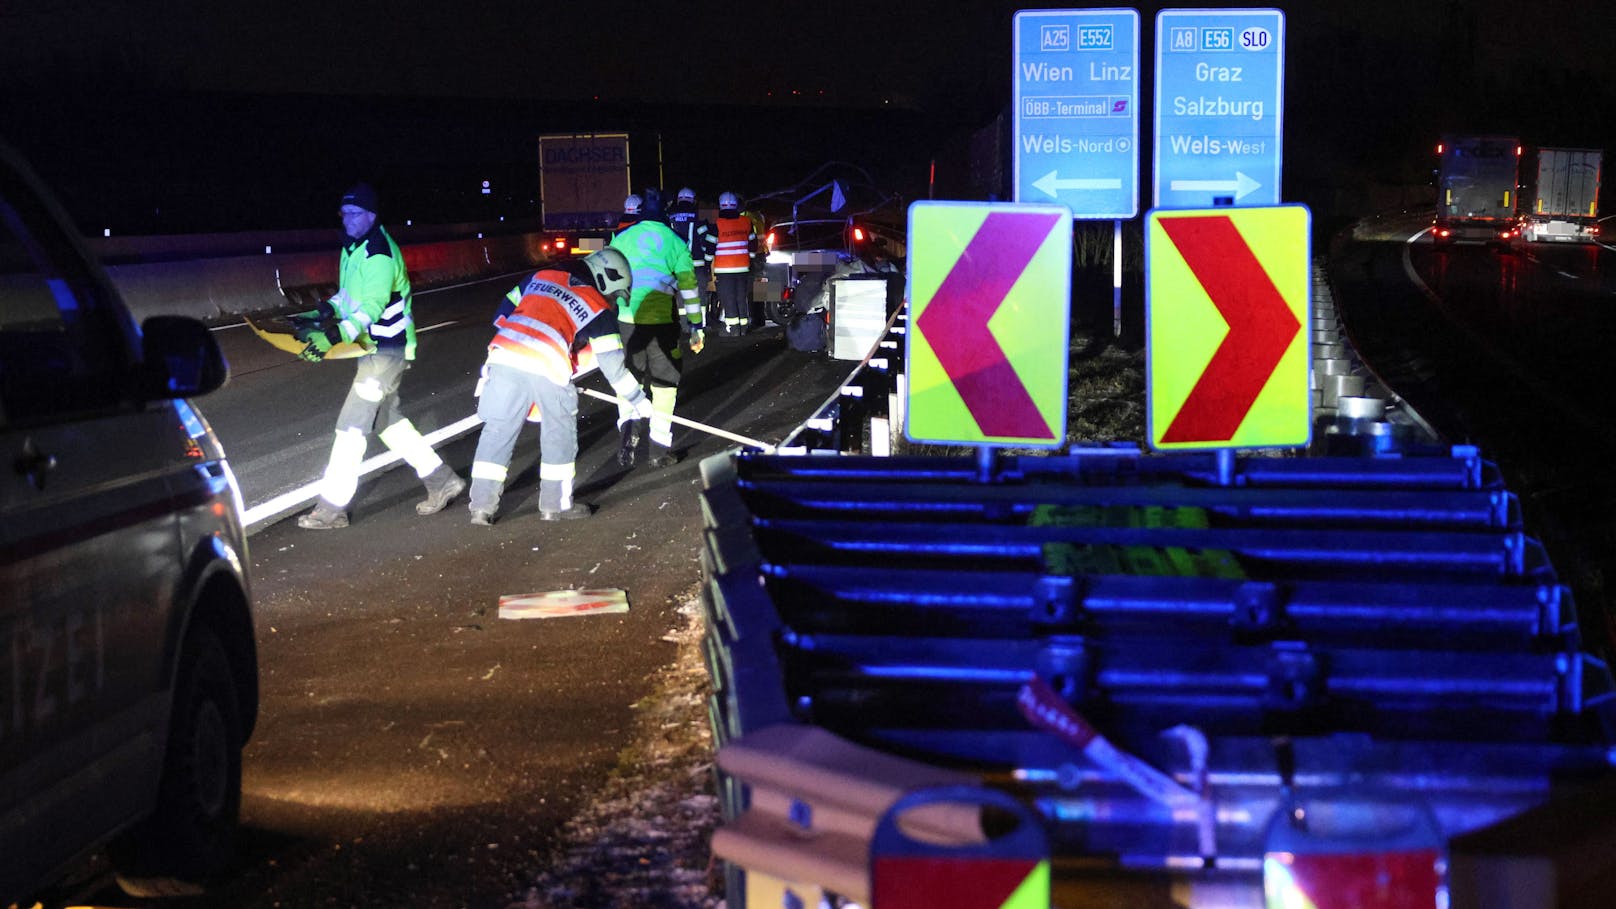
<point x="1560" y="198"/>
<point x="1476" y="189"/>
<point x="584" y="177"/>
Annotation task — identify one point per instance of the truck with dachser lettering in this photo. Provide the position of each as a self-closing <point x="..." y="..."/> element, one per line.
<point x="1560" y="196"/>
<point x="584" y="178"/>
<point x="1477" y="187"/>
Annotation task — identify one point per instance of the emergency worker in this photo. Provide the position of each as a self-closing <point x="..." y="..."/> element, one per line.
<point x="733" y="257"/>
<point x="686" y="220"/>
<point x="663" y="298"/>
<point x="371" y="307"/>
<point x="560" y="316"/>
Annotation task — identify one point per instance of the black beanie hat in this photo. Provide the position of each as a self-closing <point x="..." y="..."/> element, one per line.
<point x="363" y="195"/>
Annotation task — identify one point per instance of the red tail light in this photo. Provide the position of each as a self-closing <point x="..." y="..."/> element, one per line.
<point x="770" y="240"/>
<point x="858" y="235"/>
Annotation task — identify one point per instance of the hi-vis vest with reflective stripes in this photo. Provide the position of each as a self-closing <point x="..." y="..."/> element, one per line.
<point x="538" y="335"/>
<point x="375" y="293"/>
<point x="735" y="239"/>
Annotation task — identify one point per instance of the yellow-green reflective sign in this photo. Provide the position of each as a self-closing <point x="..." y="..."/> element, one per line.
<point x="1226" y="303"/>
<point x="990" y="288"/>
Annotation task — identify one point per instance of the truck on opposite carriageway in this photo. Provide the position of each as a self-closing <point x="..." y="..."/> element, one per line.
<point x="1560" y="196"/>
<point x="1476" y="189"/>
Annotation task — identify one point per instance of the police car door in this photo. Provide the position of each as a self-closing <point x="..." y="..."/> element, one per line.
<point x="88" y="552"/>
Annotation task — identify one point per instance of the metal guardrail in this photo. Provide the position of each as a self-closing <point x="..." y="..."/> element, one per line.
<point x="1370" y="618"/>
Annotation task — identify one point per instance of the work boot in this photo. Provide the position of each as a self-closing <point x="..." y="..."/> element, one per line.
<point x="442" y="485"/>
<point x="482" y="518"/>
<point x="576" y="511"/>
<point x="325" y="516"/>
<point x="628" y="447"/>
<point x="663" y="456"/>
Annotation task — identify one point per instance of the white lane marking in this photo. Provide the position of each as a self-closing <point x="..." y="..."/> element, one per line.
<point x="306" y="493"/>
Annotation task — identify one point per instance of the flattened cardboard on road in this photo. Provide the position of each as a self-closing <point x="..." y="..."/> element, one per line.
<point x="990" y="300"/>
<point x="561" y="603"/>
<point x="1226" y="297"/>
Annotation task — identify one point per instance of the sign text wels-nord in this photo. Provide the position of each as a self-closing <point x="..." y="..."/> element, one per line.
<point x="1226" y="305"/>
<point x="1075" y="124"/>
<point x="990" y="290"/>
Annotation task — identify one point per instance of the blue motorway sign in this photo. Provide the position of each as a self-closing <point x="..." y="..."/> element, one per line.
<point x="1076" y="102"/>
<point x="1220" y="95"/>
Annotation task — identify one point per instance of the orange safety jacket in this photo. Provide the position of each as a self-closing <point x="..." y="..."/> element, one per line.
<point x="736" y="243"/>
<point x="540" y="334"/>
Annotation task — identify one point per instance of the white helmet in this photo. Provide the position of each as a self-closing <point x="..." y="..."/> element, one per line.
<point x="613" y="276"/>
<point x="728" y="200"/>
<point x="631" y="205"/>
<point x="687" y="195"/>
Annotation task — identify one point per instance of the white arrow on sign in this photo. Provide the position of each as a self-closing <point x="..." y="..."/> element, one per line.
<point x="1242" y="186"/>
<point x="1050" y="183"/>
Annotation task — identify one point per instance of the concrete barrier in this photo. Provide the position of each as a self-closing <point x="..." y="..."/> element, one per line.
<point x="213" y="277"/>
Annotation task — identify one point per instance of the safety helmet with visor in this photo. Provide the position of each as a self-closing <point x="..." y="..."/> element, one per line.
<point x="614" y="278"/>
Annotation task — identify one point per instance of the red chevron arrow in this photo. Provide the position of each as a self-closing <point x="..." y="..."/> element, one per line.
<point x="955" y="324"/>
<point x="1261" y="327"/>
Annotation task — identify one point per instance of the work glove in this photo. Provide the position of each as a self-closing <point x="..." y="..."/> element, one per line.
<point x="697" y="339"/>
<point x="317" y="340"/>
<point x="642" y="406"/>
<point x="482" y="379"/>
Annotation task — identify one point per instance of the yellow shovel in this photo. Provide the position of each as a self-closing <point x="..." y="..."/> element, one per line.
<point x="285" y="340"/>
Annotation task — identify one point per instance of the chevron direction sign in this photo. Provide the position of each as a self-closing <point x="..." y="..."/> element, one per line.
<point x="990" y="288"/>
<point x="1226" y="303"/>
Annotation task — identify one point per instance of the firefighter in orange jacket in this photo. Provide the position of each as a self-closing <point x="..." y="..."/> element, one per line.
<point x="733" y="257"/>
<point x="543" y="327"/>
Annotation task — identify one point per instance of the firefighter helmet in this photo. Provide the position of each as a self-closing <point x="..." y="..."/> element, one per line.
<point x="687" y="195"/>
<point x="631" y="205"/>
<point x="613" y="276"/>
<point x="728" y="200"/>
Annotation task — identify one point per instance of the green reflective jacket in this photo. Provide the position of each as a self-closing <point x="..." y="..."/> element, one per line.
<point x="664" y="277"/>
<point x="374" y="299"/>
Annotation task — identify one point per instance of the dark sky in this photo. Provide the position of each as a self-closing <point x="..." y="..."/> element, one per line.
<point x="301" y="95"/>
<point x="846" y="52"/>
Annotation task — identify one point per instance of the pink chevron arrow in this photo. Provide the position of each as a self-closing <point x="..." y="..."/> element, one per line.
<point x="955" y="324"/>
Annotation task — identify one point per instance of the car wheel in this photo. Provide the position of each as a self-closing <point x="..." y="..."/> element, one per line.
<point x="778" y="311"/>
<point x="191" y="835"/>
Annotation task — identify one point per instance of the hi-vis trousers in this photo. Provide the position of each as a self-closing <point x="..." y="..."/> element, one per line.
<point x="373" y="402"/>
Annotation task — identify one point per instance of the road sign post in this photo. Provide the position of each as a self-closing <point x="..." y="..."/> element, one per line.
<point x="1075" y="109"/>
<point x="990" y="288"/>
<point x="1219" y="107"/>
<point x="1226" y="358"/>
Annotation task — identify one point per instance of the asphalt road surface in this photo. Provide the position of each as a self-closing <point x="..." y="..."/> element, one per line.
<point x="415" y="749"/>
<point x="1508" y="350"/>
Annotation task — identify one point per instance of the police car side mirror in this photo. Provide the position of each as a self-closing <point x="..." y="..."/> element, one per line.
<point x="180" y="359"/>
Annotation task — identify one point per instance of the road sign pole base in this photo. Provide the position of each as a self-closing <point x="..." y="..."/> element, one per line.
<point x="1226" y="467"/>
<point x="987" y="458"/>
